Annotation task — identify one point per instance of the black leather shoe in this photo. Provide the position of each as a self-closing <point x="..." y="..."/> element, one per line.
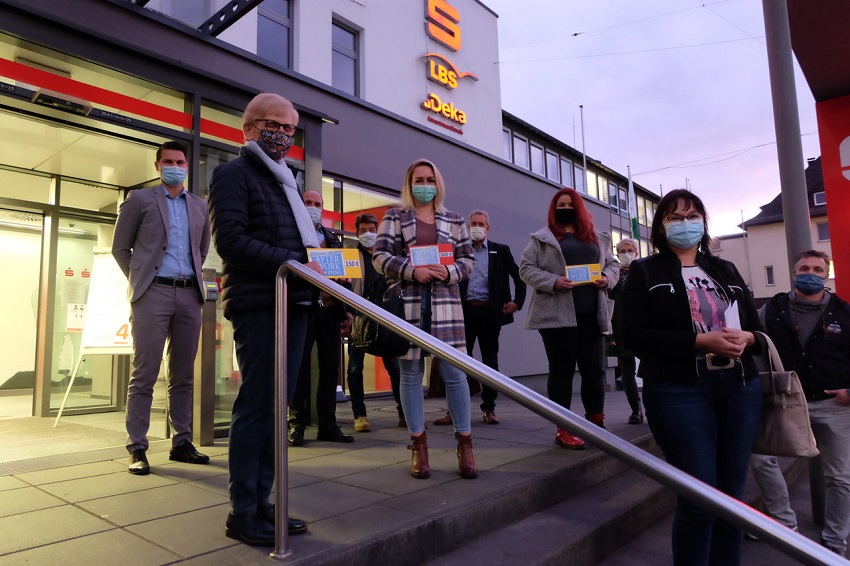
<point x="296" y="526"/>
<point x="295" y="437"/>
<point x="250" y="529"/>
<point x="186" y="453"/>
<point x="334" y="434"/>
<point x="139" y="463"/>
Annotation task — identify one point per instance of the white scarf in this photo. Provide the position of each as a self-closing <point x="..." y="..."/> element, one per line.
<point x="290" y="189"/>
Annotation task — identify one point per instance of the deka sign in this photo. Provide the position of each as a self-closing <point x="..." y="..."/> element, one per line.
<point x="442" y="24"/>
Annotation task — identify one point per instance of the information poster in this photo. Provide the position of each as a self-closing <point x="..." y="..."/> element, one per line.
<point x="107" y="311"/>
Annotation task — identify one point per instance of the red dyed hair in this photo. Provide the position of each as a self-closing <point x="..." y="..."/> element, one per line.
<point x="584" y="221"/>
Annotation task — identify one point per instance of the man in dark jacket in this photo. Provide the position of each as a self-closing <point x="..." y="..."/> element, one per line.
<point x="258" y="223"/>
<point x="811" y="330"/>
<point x="487" y="303"/>
<point x="323" y="330"/>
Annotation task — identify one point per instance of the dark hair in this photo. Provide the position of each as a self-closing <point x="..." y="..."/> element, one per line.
<point x="365" y="218"/>
<point x="584" y="221"/>
<point x="811" y="253"/>
<point x="173" y="145"/>
<point x="668" y="204"/>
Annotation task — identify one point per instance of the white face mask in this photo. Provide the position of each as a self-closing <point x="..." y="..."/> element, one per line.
<point x="315" y="214"/>
<point x="626" y="258"/>
<point x="477" y="233"/>
<point x="368" y="239"/>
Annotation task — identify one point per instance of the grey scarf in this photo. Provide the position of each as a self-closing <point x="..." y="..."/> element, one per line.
<point x="290" y="189"/>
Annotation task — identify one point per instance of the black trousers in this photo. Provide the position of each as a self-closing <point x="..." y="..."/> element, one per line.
<point x="323" y="331"/>
<point x="480" y="323"/>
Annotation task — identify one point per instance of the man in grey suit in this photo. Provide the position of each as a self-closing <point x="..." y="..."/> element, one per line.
<point x="161" y="240"/>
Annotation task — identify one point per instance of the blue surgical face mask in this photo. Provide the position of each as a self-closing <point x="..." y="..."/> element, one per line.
<point x="315" y="214"/>
<point x="424" y="193"/>
<point x="685" y="234"/>
<point x="173" y="175"/>
<point x="809" y="283"/>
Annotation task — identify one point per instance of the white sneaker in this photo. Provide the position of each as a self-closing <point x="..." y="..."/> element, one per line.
<point x="362" y="425"/>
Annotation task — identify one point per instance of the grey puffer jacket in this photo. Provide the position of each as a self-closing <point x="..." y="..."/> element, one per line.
<point x="542" y="263"/>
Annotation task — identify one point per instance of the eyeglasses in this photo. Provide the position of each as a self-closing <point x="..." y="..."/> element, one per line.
<point x="274" y="126"/>
<point x="693" y="217"/>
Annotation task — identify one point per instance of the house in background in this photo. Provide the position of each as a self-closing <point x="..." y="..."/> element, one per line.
<point x="760" y="252"/>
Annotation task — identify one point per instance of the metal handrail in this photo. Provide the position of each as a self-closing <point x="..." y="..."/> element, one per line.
<point x="729" y="508"/>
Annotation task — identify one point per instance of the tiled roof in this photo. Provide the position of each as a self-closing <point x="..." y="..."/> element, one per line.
<point x="772" y="211"/>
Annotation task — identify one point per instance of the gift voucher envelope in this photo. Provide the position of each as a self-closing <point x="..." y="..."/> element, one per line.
<point x="584" y="273"/>
<point x="337" y="262"/>
<point x="442" y="254"/>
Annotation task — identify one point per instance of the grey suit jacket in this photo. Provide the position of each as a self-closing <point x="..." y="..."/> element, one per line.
<point x="141" y="235"/>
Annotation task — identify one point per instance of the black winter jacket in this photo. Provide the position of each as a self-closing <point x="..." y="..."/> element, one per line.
<point x="824" y="362"/>
<point x="658" y="326"/>
<point x="254" y="231"/>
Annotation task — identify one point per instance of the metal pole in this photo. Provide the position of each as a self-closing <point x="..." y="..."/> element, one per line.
<point x="281" y="448"/>
<point x="583" y="153"/>
<point x="792" y="176"/>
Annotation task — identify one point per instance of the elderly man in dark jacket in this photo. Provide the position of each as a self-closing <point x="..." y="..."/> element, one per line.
<point x="258" y="223"/>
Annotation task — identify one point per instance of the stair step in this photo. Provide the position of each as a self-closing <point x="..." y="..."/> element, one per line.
<point x="577" y="531"/>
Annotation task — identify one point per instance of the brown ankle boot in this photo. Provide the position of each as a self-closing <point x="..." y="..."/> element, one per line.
<point x="465" y="458"/>
<point x="419" y="467"/>
<point x="597" y="419"/>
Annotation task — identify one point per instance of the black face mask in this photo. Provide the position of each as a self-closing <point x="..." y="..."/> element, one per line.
<point x="565" y="216"/>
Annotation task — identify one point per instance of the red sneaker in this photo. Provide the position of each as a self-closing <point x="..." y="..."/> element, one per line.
<point x="568" y="440"/>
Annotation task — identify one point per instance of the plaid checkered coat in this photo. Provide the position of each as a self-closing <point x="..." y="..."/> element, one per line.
<point x="398" y="232"/>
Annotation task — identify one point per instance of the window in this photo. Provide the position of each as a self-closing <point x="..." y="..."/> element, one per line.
<point x="537" y="165"/>
<point x="506" y="144"/>
<point x="592" y="187"/>
<point x="274" y="31"/>
<point x="344" y="59"/>
<point x="768" y="275"/>
<point x="520" y="151"/>
<point x="819" y="198"/>
<point x="580" y="180"/>
<point x="644" y="248"/>
<point x="552" y="171"/>
<point x="602" y="188"/>
<point x="566" y="173"/>
<point x="613" y="198"/>
<point x="650" y="212"/>
<point x="624" y="202"/>
<point x="823" y="232"/>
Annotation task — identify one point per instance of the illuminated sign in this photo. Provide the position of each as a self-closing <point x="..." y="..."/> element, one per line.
<point x="447" y="109"/>
<point x="443" y="23"/>
<point x="443" y="71"/>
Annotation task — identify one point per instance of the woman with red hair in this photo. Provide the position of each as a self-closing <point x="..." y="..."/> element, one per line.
<point x="572" y="317"/>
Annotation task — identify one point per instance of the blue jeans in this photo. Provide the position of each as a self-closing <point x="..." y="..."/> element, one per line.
<point x="355" y="380"/>
<point x="707" y="429"/>
<point x="251" y="443"/>
<point x="413" y="401"/>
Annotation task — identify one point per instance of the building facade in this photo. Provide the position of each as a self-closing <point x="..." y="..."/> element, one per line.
<point x="89" y="89"/>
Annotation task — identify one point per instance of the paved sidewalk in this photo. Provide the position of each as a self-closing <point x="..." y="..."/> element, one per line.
<point x="97" y="513"/>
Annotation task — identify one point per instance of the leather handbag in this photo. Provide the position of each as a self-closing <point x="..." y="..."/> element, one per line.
<point x="374" y="338"/>
<point x="785" y="426"/>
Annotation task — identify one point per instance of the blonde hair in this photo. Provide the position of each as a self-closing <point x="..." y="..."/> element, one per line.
<point x="631" y="241"/>
<point x="264" y="104"/>
<point x="407" y="200"/>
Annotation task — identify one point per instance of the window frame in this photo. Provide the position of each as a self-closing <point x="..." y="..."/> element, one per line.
<point x="524" y="141"/>
<point x="818" y="231"/>
<point x="283" y="20"/>
<point x="815" y="198"/>
<point x="557" y="166"/>
<point x="536" y="150"/>
<point x="354" y="55"/>
<point x="769" y="276"/>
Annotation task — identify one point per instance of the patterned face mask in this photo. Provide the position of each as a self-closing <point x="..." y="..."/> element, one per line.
<point x="274" y="144"/>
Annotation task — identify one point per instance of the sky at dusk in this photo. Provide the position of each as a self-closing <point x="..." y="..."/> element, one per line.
<point x="679" y="91"/>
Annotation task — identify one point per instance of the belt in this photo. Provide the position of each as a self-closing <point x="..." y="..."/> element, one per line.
<point x="714" y="362"/>
<point x="478" y="304"/>
<point x="171" y="282"/>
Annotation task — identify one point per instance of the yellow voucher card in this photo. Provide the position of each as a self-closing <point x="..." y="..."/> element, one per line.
<point x="584" y="273"/>
<point x="337" y="262"/>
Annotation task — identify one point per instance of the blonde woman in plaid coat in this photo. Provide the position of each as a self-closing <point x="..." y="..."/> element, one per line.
<point x="431" y="302"/>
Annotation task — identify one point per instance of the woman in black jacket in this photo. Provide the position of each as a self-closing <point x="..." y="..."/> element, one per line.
<point x="702" y="400"/>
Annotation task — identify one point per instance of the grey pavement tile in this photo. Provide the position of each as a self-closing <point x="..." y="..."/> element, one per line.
<point x="393" y="480"/>
<point x="237" y="555"/>
<point x="442" y="497"/>
<point x="178" y="471"/>
<point x="83" y="489"/>
<point x="188" y="534"/>
<point x="110" y="547"/>
<point x="27" y="499"/>
<point x="130" y="508"/>
<point x="11" y="482"/>
<point x="73" y="472"/>
<point x="38" y="528"/>
<point x="385" y="453"/>
<point x="333" y="465"/>
<point x="327" y="499"/>
<point x="360" y="523"/>
<point x="215" y="484"/>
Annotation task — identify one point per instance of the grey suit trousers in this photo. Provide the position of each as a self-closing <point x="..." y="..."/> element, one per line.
<point x="163" y="314"/>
